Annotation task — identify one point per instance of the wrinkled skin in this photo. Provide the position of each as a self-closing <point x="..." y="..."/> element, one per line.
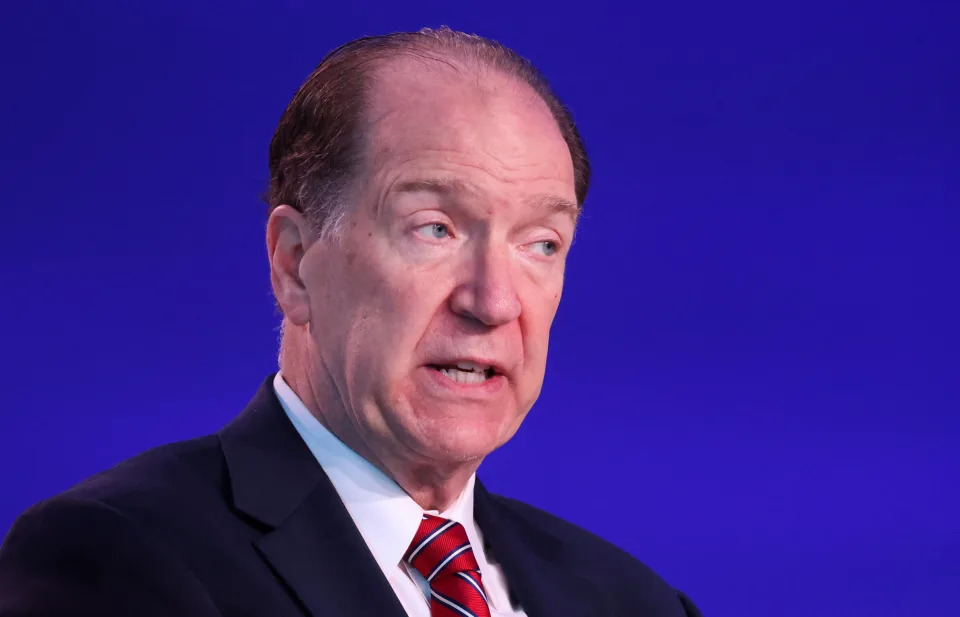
<point x="453" y="249"/>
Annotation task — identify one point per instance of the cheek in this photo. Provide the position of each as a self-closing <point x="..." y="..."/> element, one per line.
<point x="540" y="308"/>
<point x="536" y="334"/>
<point x="535" y="324"/>
<point x="397" y="306"/>
<point x="407" y="301"/>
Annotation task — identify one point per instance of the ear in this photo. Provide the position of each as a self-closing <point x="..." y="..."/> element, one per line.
<point x="288" y="236"/>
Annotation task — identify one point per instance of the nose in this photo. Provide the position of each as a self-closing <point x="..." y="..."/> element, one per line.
<point x="487" y="292"/>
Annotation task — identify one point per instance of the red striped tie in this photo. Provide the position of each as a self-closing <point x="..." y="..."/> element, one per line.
<point x="441" y="553"/>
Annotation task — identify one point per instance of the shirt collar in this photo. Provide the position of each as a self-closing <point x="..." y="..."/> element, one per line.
<point x="387" y="517"/>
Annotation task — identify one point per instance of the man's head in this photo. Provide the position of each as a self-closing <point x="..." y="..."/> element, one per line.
<point x="319" y="142"/>
<point x="421" y="224"/>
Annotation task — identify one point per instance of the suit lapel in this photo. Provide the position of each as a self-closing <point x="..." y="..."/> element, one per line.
<point x="309" y="539"/>
<point x="533" y="562"/>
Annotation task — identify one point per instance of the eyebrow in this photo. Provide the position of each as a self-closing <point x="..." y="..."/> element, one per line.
<point x="451" y="187"/>
<point x="559" y="205"/>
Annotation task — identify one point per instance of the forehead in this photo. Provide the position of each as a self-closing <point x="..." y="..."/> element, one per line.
<point x="465" y="121"/>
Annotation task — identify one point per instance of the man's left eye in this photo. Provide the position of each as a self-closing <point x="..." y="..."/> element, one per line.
<point x="547" y="247"/>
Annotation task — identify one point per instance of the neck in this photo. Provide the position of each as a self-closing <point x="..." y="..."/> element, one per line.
<point x="433" y="485"/>
<point x="430" y="489"/>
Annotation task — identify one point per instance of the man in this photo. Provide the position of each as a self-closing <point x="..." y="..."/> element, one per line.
<point x="424" y="192"/>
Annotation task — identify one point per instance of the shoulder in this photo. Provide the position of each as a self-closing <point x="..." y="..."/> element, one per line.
<point x="113" y="531"/>
<point x="577" y="541"/>
<point x="156" y="488"/>
<point x="622" y="574"/>
<point x="179" y="471"/>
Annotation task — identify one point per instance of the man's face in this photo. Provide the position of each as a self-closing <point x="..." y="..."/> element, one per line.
<point x="431" y="314"/>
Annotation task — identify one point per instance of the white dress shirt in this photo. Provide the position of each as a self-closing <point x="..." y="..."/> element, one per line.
<point x="387" y="517"/>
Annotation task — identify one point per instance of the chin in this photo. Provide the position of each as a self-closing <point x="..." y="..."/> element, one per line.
<point x="462" y="443"/>
<point x="454" y="430"/>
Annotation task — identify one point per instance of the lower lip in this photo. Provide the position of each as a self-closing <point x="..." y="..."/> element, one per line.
<point x="484" y="388"/>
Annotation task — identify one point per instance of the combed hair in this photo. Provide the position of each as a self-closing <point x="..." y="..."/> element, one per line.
<point x="318" y="144"/>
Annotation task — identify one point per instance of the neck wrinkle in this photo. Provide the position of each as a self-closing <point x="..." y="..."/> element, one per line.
<point x="433" y="486"/>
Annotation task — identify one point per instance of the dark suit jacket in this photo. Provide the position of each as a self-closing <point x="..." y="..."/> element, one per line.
<point x="245" y="522"/>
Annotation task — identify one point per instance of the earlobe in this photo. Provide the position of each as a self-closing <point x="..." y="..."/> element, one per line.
<point x="286" y="246"/>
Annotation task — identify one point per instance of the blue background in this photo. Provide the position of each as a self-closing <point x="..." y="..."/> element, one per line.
<point x="753" y="379"/>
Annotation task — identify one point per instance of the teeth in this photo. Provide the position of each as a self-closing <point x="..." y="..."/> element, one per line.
<point x="464" y="376"/>
<point x="470" y="366"/>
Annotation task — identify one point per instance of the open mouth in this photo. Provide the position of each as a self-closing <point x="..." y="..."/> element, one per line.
<point x="465" y="372"/>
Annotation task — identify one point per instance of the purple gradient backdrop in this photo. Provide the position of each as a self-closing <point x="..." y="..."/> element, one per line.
<point x="753" y="376"/>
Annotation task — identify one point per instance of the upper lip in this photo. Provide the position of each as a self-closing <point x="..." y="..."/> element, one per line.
<point x="498" y="368"/>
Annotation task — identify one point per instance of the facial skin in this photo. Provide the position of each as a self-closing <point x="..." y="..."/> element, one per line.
<point x="453" y="249"/>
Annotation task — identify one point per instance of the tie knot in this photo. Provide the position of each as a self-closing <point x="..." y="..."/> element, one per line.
<point x="440" y="548"/>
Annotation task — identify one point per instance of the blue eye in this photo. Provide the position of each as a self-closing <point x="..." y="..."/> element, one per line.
<point x="549" y="247"/>
<point x="436" y="230"/>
